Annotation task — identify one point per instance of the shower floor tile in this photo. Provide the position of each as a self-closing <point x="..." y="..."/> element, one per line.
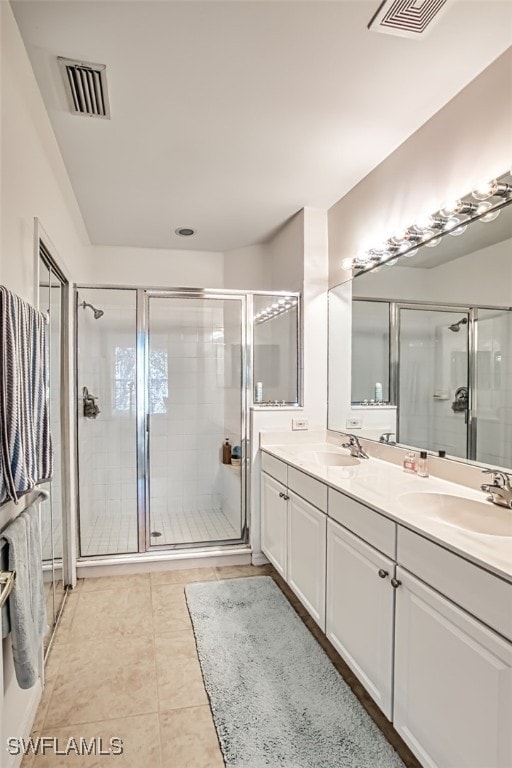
<point x="183" y="527"/>
<point x="117" y="533"/>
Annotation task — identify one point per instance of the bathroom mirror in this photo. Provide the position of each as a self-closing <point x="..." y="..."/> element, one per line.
<point x="276" y="349"/>
<point x="429" y="362"/>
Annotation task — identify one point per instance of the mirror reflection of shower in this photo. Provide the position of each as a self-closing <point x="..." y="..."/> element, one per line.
<point x="455" y="327"/>
<point x="97" y="312"/>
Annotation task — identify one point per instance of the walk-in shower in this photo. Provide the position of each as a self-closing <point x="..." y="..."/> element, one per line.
<point x="168" y="378"/>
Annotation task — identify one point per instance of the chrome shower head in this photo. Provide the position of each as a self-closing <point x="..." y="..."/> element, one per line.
<point x="97" y="312"/>
<point x="455" y="327"/>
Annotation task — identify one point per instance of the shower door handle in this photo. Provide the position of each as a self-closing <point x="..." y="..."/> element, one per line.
<point x="147" y="423"/>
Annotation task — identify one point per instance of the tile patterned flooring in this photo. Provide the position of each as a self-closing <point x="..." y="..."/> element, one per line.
<point x="116" y="533"/>
<point x="124" y="664"/>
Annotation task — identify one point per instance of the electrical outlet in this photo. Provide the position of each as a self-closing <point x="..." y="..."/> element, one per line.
<point x="299" y="424"/>
<point x="354" y="422"/>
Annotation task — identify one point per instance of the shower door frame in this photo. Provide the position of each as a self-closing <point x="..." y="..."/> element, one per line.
<point x="142" y="410"/>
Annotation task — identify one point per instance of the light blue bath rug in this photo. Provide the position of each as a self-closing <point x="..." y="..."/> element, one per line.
<point x="277" y="700"/>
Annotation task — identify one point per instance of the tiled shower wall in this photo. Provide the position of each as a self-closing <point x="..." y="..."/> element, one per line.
<point x="187" y="428"/>
<point x="107" y="444"/>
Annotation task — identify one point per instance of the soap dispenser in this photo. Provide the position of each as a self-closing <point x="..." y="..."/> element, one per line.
<point x="226" y="452"/>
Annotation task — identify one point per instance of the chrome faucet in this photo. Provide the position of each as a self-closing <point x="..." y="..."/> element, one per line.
<point x="355" y="447"/>
<point x="500" y="490"/>
<point x="386" y="438"/>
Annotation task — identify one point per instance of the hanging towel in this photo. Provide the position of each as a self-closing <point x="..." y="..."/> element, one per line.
<point x="26" y="457"/>
<point x="27" y="610"/>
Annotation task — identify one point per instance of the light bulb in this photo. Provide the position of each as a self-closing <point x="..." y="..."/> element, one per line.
<point x="483" y="191"/>
<point x="451" y="207"/>
<point x="433" y="240"/>
<point x="347" y="264"/>
<point x="492" y="188"/>
<point x="459" y="207"/>
<point x="455" y="227"/>
<point x="423" y="223"/>
<point x="493" y="214"/>
<point x="410" y="253"/>
<point x="391" y="262"/>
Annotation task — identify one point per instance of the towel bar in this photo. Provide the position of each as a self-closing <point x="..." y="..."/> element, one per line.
<point x="8" y="578"/>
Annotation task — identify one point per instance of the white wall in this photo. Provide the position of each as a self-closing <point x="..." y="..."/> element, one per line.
<point x="34" y="183"/>
<point x="33" y="176"/>
<point x="284" y="263"/>
<point x="245" y="269"/>
<point x="480" y="278"/>
<point x="154" y="267"/>
<point x="466" y="141"/>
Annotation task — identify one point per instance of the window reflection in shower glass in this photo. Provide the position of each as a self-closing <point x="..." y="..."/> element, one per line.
<point x="276" y="348"/>
<point x="125" y="379"/>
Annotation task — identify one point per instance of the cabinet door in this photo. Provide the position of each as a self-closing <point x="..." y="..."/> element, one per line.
<point x="306" y="556"/>
<point x="360" y="602"/>
<point x="274" y="522"/>
<point x="453" y="682"/>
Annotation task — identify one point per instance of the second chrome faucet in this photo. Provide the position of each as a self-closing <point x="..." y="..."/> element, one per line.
<point x="500" y="490"/>
<point x="355" y="447"/>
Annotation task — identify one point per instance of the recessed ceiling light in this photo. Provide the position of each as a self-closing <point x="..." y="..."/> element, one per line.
<point x="185" y="231"/>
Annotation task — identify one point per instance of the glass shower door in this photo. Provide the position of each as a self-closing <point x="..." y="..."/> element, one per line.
<point x="433" y="386"/>
<point x="194" y="401"/>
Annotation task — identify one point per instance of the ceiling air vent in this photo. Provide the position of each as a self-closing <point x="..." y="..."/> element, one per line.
<point x="86" y="87"/>
<point x="406" y="18"/>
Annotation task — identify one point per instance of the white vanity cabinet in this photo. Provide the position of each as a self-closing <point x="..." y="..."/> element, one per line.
<point x="453" y="682"/>
<point x="293" y="531"/>
<point x="274" y="522"/>
<point x="453" y="672"/>
<point x="426" y="630"/>
<point x="306" y="555"/>
<point x="359" y="614"/>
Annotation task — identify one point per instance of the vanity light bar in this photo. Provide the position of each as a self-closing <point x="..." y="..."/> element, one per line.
<point x="279" y="307"/>
<point x="451" y="219"/>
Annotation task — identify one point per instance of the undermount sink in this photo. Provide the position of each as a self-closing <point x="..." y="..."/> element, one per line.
<point x="477" y="516"/>
<point x="329" y="459"/>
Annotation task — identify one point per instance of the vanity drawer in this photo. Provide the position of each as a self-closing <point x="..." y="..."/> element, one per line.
<point x="274" y="467"/>
<point x="369" y="525"/>
<point x="485" y="596"/>
<point x="307" y="487"/>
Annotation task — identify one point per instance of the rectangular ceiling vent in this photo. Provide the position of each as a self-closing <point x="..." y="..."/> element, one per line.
<point x="86" y="87"/>
<point x="407" y="18"/>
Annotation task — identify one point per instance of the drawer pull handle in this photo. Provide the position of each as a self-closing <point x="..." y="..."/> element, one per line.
<point x="383" y="573"/>
<point x="395" y="583"/>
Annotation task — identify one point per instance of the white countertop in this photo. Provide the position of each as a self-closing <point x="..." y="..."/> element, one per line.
<point x="380" y="484"/>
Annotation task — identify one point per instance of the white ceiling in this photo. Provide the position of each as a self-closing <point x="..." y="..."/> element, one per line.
<point x="229" y="117"/>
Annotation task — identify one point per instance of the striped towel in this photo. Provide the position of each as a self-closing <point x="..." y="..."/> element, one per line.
<point x="27" y="611"/>
<point x="26" y="457"/>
